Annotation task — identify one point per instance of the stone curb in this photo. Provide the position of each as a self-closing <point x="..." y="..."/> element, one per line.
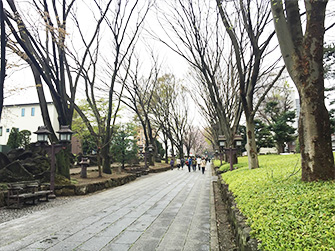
<point x="237" y="220"/>
<point x="213" y="230"/>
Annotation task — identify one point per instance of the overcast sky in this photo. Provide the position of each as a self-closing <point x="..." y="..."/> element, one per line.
<point x="19" y="85"/>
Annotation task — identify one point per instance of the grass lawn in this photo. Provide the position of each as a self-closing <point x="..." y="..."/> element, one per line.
<point x="284" y="212"/>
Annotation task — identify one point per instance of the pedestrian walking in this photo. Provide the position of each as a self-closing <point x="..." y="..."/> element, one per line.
<point x="194" y="164"/>
<point x="178" y="163"/>
<point x="189" y="162"/>
<point x="198" y="162"/>
<point x="203" y="165"/>
<point x="172" y="164"/>
<point x="182" y="162"/>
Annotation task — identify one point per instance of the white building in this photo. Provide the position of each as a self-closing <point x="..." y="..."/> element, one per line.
<point x="24" y="117"/>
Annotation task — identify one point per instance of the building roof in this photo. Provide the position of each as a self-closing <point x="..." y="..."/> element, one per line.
<point x="26" y="104"/>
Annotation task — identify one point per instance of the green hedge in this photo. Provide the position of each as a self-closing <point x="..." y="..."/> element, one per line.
<point x="226" y="166"/>
<point x="284" y="212"/>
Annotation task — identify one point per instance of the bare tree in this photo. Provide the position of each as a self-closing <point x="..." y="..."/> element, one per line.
<point x="163" y="98"/>
<point x="302" y="50"/>
<point x="201" y="43"/>
<point x="248" y="29"/>
<point x="190" y="138"/>
<point x="200" y="145"/>
<point x="170" y="110"/>
<point x="139" y="97"/>
<point x="62" y="67"/>
<point x="40" y="40"/>
<point x="179" y="118"/>
<point x="47" y="58"/>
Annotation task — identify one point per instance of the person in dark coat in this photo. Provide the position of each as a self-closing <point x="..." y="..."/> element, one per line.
<point x="182" y="162"/>
<point x="189" y="164"/>
<point x="172" y="163"/>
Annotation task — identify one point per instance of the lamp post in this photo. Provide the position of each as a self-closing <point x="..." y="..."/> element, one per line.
<point x="149" y="148"/>
<point x="65" y="134"/>
<point x="222" y="143"/>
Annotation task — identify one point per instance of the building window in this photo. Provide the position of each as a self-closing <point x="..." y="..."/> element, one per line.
<point x="7" y="129"/>
<point x="22" y="112"/>
<point x="33" y="111"/>
<point x="0" y="130"/>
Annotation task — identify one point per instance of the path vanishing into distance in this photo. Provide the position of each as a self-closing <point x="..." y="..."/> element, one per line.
<point x="172" y="210"/>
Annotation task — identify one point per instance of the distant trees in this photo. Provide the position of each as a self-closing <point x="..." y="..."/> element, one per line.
<point x="14" y="139"/>
<point x="226" y="74"/>
<point x="176" y="100"/>
<point x="329" y="69"/>
<point x="280" y="124"/>
<point x="247" y="25"/>
<point x="329" y="60"/>
<point x="123" y="145"/>
<point x="18" y="138"/>
<point x="198" y="37"/>
<point x="138" y="97"/>
<point x="263" y="135"/>
<point x="164" y="101"/>
<point x="25" y="138"/>
<point x="277" y="117"/>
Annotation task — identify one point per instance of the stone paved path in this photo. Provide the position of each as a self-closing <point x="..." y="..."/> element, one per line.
<point x="166" y="211"/>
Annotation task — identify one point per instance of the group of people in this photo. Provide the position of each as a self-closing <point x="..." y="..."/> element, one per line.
<point x="190" y="162"/>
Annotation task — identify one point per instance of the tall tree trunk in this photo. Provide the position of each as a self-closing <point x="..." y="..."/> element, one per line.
<point x="172" y="148"/>
<point x="99" y="160"/>
<point x="280" y="148"/>
<point x="317" y="161"/>
<point x="181" y="152"/>
<point x="166" y="151"/>
<point x="303" y="56"/>
<point x="3" y="56"/>
<point x="106" y="167"/>
<point x="251" y="144"/>
<point x="43" y="103"/>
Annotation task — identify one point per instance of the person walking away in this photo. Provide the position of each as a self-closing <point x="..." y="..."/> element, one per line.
<point x="178" y="163"/>
<point x="189" y="164"/>
<point x="182" y="163"/>
<point x="198" y="162"/>
<point x="172" y="164"/>
<point x="203" y="165"/>
<point x="194" y="164"/>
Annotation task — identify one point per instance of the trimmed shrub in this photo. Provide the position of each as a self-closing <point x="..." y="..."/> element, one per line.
<point x="284" y="212"/>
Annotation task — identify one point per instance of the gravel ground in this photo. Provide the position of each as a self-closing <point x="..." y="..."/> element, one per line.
<point x="7" y="214"/>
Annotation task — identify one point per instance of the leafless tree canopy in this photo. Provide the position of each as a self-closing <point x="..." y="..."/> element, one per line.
<point x="198" y="37"/>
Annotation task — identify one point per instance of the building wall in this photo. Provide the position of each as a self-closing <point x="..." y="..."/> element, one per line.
<point x="24" y="117"/>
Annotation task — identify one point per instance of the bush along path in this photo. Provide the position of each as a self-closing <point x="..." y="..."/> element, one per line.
<point x="283" y="212"/>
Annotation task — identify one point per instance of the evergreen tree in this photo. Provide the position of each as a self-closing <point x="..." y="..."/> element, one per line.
<point x="263" y="134"/>
<point x="14" y="139"/>
<point x="280" y="124"/>
<point x="123" y="145"/>
<point x="329" y="69"/>
<point x="25" y="138"/>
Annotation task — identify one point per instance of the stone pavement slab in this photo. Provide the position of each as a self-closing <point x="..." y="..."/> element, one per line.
<point x="165" y="211"/>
